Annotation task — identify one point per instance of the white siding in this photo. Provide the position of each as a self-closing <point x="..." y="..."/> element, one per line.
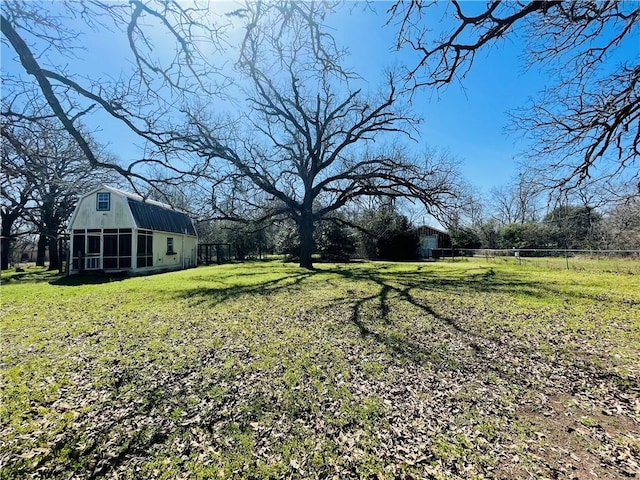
<point x="160" y="257"/>
<point x="119" y="216"/>
<point x="87" y="215"/>
<point x="184" y="247"/>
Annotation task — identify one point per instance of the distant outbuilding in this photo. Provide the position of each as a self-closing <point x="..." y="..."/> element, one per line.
<point x="117" y="231"/>
<point x="431" y="241"/>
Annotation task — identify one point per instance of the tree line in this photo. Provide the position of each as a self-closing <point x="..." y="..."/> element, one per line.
<point x="287" y="133"/>
<point x="379" y="231"/>
<point x="570" y="227"/>
<point x="521" y="215"/>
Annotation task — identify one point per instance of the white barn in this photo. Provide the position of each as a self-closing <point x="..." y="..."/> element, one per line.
<point x="116" y="231"/>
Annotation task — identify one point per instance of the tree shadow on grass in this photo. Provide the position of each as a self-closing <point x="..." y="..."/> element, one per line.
<point x="29" y="276"/>
<point x="413" y="287"/>
<point x="214" y="295"/>
<point x="380" y="326"/>
<point x="53" y="277"/>
<point x="486" y="346"/>
<point x="373" y="312"/>
<point x="389" y="283"/>
<point x="89" y="279"/>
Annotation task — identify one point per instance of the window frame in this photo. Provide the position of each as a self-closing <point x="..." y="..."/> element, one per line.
<point x="170" y="245"/>
<point x="102" y="201"/>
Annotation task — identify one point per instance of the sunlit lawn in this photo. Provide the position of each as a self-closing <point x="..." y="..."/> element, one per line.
<point x="470" y="369"/>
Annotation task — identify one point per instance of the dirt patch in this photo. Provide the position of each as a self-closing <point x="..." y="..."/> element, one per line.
<point x="579" y="442"/>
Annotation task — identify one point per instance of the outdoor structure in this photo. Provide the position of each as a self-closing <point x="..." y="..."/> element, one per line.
<point x="116" y="231"/>
<point x="431" y="239"/>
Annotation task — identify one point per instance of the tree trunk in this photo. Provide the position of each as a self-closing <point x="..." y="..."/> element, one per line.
<point x="63" y="256"/>
<point x="5" y="250"/>
<point x="305" y="229"/>
<point x="54" y="259"/>
<point x="5" y="247"/>
<point x="42" y="250"/>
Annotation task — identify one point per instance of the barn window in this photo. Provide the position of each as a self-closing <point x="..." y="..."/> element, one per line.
<point x="170" y="250"/>
<point x="104" y="201"/>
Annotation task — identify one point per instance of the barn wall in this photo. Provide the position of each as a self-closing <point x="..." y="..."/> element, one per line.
<point x="427" y="244"/>
<point x="87" y="215"/>
<point x="191" y="251"/>
<point x="119" y="216"/>
<point x="160" y="257"/>
<point x="184" y="248"/>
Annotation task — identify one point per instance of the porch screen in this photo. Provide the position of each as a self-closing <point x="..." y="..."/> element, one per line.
<point x="79" y="251"/>
<point x="145" y="248"/>
<point x="112" y="246"/>
<point x="117" y="248"/>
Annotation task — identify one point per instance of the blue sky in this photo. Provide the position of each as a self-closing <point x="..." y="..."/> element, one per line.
<point x="468" y="120"/>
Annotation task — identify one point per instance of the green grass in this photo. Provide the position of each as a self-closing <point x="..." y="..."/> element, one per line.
<point x="576" y="262"/>
<point x="469" y="369"/>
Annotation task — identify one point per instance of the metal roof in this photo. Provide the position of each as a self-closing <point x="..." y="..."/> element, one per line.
<point x="152" y="216"/>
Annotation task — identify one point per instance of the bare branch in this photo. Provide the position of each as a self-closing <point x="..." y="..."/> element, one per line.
<point x="584" y="125"/>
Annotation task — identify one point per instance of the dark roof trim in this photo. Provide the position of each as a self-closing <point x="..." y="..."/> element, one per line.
<point x="427" y="230"/>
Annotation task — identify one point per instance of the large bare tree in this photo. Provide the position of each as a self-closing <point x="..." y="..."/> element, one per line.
<point x="306" y="148"/>
<point x="586" y="123"/>
<point x="309" y="149"/>
<point x="174" y="56"/>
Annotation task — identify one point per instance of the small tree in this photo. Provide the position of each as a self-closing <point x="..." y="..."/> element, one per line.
<point x="400" y="245"/>
<point x="523" y="235"/>
<point x="287" y="240"/>
<point x="335" y="241"/>
<point x="247" y="239"/>
<point x="465" y="237"/>
<point x="489" y="234"/>
<point x="622" y="225"/>
<point x="572" y="227"/>
<point x="516" y="202"/>
<point x="387" y="234"/>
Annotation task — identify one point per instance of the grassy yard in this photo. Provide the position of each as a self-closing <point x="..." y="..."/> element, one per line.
<point x="581" y="263"/>
<point x="468" y="369"/>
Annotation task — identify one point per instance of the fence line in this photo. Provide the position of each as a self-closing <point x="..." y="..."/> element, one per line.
<point x="531" y="252"/>
<point x="615" y="261"/>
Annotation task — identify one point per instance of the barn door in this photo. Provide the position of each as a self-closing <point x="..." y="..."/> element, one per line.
<point x="93" y="260"/>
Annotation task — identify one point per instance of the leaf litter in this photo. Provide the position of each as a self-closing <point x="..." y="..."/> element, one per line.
<point x="379" y="374"/>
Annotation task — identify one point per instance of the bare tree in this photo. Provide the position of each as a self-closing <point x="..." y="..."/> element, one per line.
<point x="45" y="172"/>
<point x="585" y="125"/>
<point x="15" y="195"/>
<point x="516" y="202"/>
<point x="308" y="152"/>
<point x="622" y="225"/>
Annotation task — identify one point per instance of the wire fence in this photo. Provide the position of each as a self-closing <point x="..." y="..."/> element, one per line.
<point x="614" y="261"/>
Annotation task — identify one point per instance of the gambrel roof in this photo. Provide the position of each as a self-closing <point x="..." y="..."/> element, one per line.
<point x="154" y="217"/>
<point x="151" y="214"/>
